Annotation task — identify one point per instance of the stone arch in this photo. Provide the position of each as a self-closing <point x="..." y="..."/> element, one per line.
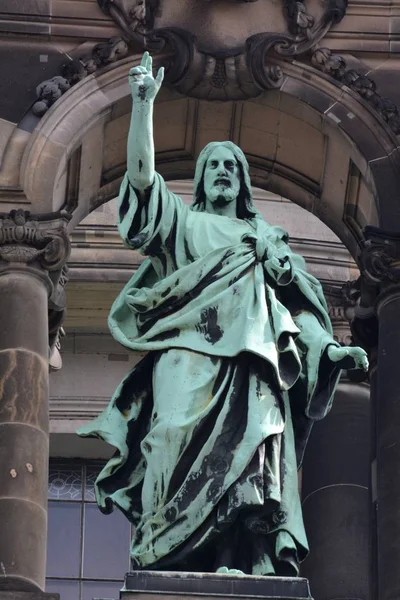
<point x="313" y="141"/>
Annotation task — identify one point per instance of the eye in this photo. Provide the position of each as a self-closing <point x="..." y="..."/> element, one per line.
<point x="213" y="164"/>
<point x="229" y="164"/>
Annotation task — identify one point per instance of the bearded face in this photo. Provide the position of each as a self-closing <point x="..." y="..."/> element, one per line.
<point x="221" y="177"/>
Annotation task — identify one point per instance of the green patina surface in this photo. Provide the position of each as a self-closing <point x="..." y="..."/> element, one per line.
<point x="210" y="427"/>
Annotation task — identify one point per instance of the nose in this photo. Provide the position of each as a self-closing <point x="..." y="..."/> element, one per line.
<point x="221" y="169"/>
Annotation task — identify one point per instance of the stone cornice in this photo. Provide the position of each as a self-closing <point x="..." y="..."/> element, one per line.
<point x="76" y="408"/>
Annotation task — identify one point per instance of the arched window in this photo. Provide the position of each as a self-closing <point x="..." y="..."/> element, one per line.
<point x="87" y="552"/>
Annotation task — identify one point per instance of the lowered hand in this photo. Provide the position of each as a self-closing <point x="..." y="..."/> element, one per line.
<point x="348" y="357"/>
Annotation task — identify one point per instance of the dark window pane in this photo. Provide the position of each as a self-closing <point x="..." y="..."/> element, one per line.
<point x="92" y="472"/>
<point x="63" y="539"/>
<point x="106" y="546"/>
<point x="68" y="590"/>
<point x="100" y="589"/>
<point x="64" y="483"/>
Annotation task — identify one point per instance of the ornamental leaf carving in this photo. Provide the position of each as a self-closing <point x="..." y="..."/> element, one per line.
<point x="25" y="239"/>
<point x="16" y="253"/>
<point x="101" y="55"/>
<point x="335" y="66"/>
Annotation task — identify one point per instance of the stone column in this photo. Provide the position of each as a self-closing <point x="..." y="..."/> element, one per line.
<point x="336" y="499"/>
<point x="335" y="487"/>
<point x="364" y="327"/>
<point x="381" y="267"/>
<point x="32" y="253"/>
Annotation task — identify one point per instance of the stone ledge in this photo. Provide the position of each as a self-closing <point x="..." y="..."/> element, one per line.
<point x="12" y="595"/>
<point x="149" y="585"/>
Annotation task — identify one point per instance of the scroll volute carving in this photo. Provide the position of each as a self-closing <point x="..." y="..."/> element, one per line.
<point x="380" y="257"/>
<point x="214" y="55"/>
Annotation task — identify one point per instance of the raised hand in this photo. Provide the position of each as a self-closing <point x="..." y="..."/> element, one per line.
<point x="348" y="357"/>
<point x="144" y="86"/>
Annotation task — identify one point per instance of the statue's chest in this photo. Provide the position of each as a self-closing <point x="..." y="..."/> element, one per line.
<point x="206" y="233"/>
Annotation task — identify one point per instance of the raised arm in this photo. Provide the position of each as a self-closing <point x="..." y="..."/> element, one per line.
<point x="140" y="157"/>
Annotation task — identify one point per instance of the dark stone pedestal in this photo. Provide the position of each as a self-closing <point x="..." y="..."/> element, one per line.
<point x="150" y="585"/>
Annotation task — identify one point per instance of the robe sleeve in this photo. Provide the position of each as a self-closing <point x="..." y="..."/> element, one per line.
<point x="312" y="394"/>
<point x="306" y="302"/>
<point x="155" y="227"/>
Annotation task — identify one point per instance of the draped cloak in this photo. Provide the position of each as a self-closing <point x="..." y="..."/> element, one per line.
<point x="210" y="427"/>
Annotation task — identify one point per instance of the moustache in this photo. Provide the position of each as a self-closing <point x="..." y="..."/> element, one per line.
<point x="223" y="181"/>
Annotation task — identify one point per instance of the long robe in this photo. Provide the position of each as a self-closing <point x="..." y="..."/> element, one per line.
<point x="210" y="427"/>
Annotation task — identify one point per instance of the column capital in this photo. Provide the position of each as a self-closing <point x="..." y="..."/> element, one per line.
<point x="34" y="243"/>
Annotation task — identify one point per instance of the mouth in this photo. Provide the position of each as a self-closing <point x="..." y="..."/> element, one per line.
<point x="221" y="181"/>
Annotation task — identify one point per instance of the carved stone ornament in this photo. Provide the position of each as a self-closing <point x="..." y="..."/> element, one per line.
<point x="39" y="244"/>
<point x="380" y="257"/>
<point x="335" y="66"/>
<point x="103" y="54"/>
<point x="25" y="238"/>
<point x="223" y="50"/>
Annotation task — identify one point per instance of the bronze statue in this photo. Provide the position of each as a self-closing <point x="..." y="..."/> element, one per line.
<point x="210" y="427"/>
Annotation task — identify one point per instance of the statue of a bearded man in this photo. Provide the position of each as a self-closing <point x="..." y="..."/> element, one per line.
<point x="210" y="427"/>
